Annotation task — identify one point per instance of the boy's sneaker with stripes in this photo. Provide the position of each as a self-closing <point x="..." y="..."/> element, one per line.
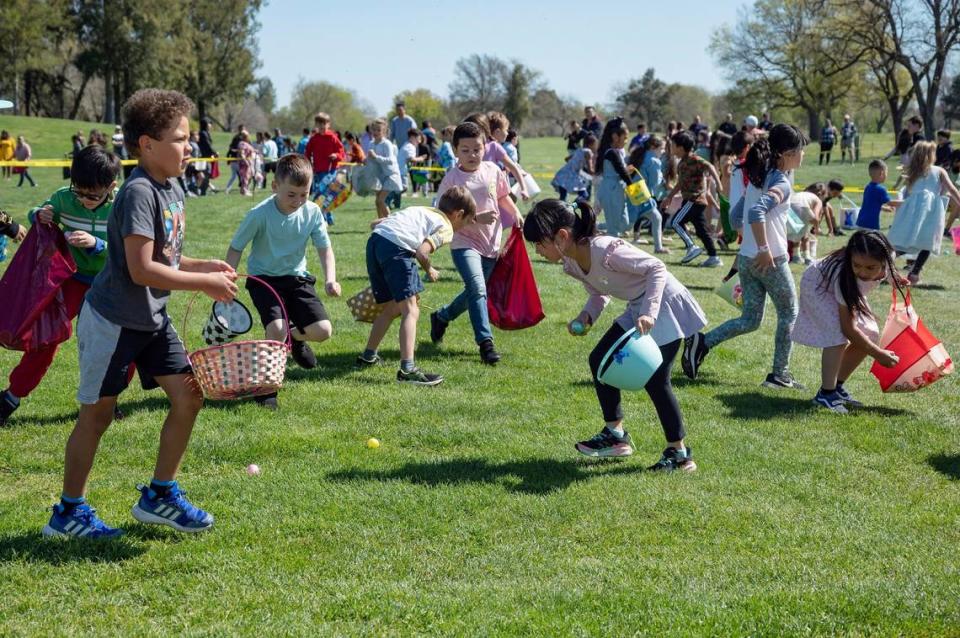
<point x="672" y="459"/>
<point x="172" y="509"/>
<point x="364" y="362"/>
<point x="418" y="377"/>
<point x="606" y="444"/>
<point x="781" y="381"/>
<point x="80" y="521"/>
<point x="831" y="401"/>
<point x="695" y="351"/>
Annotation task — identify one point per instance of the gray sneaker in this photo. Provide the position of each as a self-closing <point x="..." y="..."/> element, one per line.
<point x="712" y="262"/>
<point x="781" y="381"/>
<point x="692" y="253"/>
<point x="418" y="377"/>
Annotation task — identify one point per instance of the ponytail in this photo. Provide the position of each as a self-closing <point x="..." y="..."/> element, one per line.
<point x="548" y="216"/>
<point x="767" y="151"/>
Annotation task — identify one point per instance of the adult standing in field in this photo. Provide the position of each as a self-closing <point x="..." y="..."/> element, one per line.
<point x="828" y="136"/>
<point x="400" y="125"/>
<point x="120" y="149"/>
<point x="7" y="147"/>
<point x="234" y="154"/>
<point x="848" y="139"/>
<point x="765" y="123"/>
<point x="23" y="153"/>
<point x="909" y="136"/>
<point x="698" y="126"/>
<point x="728" y="126"/>
<point x="592" y="124"/>
<point x="205" y="142"/>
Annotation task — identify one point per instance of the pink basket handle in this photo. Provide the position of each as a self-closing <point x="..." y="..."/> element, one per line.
<point x="288" y="342"/>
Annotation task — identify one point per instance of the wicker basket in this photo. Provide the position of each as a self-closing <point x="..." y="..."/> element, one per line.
<point x="243" y="368"/>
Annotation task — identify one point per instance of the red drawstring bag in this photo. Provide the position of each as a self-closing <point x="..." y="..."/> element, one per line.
<point x="513" y="301"/>
<point x="923" y="359"/>
<point x="34" y="315"/>
<point x="214" y="170"/>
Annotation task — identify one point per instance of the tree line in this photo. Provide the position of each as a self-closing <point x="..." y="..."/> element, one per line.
<point x="804" y="60"/>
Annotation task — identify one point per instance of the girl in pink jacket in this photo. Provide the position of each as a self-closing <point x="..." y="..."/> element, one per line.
<point x="657" y="303"/>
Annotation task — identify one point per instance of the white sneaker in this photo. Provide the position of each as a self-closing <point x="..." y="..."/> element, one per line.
<point x="712" y="262"/>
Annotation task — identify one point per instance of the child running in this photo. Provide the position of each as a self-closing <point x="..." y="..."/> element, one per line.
<point x="124" y="320"/>
<point x="81" y="210"/>
<point x="383" y="156"/>
<point x="763" y="255"/>
<point x="692" y="172"/>
<point x="636" y="214"/>
<point x="279" y="228"/>
<point x="398" y="243"/>
<point x="475" y="247"/>
<point x="657" y="304"/>
<point x="835" y="316"/>
<point x="918" y="225"/>
<point x="576" y="175"/>
<point x="612" y="169"/>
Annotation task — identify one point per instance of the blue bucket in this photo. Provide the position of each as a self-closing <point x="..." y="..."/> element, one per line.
<point x="630" y="362"/>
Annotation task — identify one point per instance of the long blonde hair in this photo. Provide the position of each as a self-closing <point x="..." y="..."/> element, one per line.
<point x="921" y="159"/>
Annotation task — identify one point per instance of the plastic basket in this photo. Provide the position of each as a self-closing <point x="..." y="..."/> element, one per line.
<point x="242" y="368"/>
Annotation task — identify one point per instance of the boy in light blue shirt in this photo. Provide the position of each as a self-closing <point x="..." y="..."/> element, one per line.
<point x="279" y="228"/>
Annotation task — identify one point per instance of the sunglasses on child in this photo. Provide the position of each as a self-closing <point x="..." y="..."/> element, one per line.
<point x="90" y="197"/>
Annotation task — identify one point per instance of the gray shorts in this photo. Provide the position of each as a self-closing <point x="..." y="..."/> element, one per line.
<point x="107" y="351"/>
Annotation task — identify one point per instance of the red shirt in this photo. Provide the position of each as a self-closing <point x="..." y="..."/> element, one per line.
<point x="319" y="149"/>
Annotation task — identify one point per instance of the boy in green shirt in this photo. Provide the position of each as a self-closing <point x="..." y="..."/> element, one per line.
<point x="81" y="210"/>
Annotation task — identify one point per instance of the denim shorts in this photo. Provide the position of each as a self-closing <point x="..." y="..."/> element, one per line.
<point x="393" y="270"/>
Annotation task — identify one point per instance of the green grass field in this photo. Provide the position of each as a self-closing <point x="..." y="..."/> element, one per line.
<point x="476" y="516"/>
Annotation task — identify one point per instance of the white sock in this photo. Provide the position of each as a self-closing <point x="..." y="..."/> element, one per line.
<point x="617" y="430"/>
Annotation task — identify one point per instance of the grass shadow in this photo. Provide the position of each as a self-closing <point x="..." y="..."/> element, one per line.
<point x="760" y="406"/>
<point x="531" y="476"/>
<point x="923" y="286"/>
<point x="35" y="548"/>
<point x="946" y="464"/>
<point x="704" y="288"/>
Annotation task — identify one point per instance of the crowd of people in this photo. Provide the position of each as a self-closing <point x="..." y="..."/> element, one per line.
<point x="733" y="184"/>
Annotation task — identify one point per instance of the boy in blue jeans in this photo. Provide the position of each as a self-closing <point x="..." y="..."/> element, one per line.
<point x="279" y="228"/>
<point x="398" y="243"/>
<point x="124" y="321"/>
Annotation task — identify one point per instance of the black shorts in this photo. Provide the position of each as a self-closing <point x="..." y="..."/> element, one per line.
<point x="299" y="297"/>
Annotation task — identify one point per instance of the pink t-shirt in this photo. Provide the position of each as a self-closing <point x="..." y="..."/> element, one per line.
<point x="494" y="152"/>
<point x="487" y="184"/>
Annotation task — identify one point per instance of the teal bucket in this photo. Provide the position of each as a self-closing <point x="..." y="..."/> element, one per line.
<point x="630" y="362"/>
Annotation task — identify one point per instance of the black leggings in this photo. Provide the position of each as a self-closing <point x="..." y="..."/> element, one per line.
<point x="919" y="262"/>
<point x="658" y="387"/>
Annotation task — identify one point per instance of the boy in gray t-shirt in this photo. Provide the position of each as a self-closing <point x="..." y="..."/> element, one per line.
<point x="125" y="321"/>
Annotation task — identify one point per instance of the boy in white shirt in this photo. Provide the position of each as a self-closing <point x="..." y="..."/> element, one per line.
<point x="397" y="244"/>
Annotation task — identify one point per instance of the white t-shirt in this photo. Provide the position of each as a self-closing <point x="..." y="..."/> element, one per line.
<point x="773" y="201"/>
<point x="269" y="150"/>
<point x="412" y="226"/>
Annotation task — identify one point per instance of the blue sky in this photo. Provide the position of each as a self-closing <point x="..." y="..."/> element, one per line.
<point x="583" y="48"/>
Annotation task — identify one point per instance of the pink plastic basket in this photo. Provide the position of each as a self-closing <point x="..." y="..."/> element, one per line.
<point x="242" y="368"/>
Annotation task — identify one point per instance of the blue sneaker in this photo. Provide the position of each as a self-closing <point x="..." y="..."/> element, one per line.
<point x="82" y="522"/>
<point x="173" y="509"/>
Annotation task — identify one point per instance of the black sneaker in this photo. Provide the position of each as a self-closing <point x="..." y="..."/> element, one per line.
<point x="605" y="444"/>
<point x="363" y="362"/>
<point x="488" y="353"/>
<point x="118" y="414"/>
<point x="268" y="401"/>
<point x="694" y="351"/>
<point x="781" y="381"/>
<point x="8" y="404"/>
<point x="838" y="233"/>
<point x="437" y="328"/>
<point x="672" y="460"/>
<point x="303" y="355"/>
<point x="418" y="377"/>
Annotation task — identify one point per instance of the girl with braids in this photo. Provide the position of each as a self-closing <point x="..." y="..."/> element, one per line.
<point x="657" y="304"/>
<point x="612" y="168"/>
<point x="918" y="225"/>
<point x="763" y="254"/>
<point x="835" y="316"/>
